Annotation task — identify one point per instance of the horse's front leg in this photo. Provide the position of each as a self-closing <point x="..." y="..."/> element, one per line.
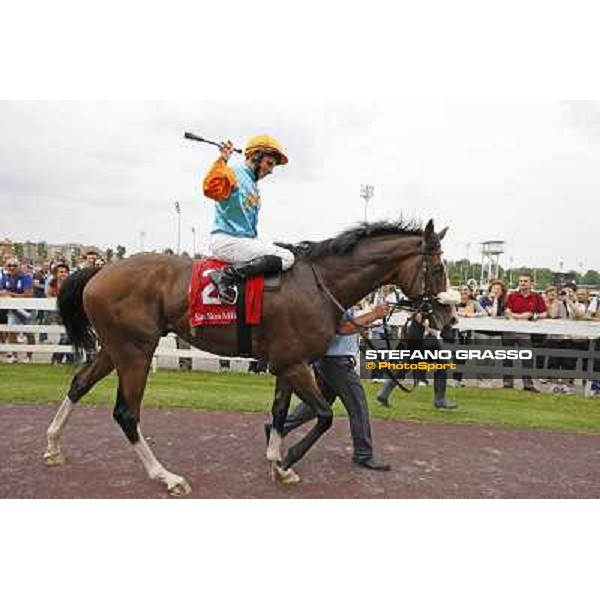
<point x="279" y="411"/>
<point x="302" y="381"/>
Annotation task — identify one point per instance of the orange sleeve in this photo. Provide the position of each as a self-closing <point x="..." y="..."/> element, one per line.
<point x="219" y="182"/>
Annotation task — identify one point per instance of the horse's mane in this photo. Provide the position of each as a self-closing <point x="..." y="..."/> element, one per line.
<point x="347" y="240"/>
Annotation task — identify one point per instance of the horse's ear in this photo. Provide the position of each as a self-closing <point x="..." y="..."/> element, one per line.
<point x="429" y="229"/>
<point x="442" y="233"/>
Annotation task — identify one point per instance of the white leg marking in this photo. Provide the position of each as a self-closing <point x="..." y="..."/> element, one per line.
<point x="53" y="455"/>
<point x="274" y="449"/>
<point x="284" y="476"/>
<point x="176" y="484"/>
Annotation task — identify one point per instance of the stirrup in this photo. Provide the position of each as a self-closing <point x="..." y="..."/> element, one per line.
<point x="216" y="277"/>
<point x="235" y="296"/>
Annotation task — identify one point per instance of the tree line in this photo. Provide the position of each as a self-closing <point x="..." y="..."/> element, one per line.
<point x="460" y="271"/>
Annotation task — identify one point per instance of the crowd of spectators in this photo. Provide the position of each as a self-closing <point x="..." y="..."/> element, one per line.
<point x="23" y="279"/>
<point x="566" y="302"/>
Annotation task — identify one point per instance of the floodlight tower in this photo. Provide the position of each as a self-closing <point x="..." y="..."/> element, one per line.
<point x="178" y="213"/>
<point x="366" y="193"/>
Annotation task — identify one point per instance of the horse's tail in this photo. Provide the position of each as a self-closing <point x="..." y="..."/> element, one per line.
<point x="72" y="314"/>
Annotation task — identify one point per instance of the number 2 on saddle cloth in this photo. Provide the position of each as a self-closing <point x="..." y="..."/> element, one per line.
<point x="205" y="306"/>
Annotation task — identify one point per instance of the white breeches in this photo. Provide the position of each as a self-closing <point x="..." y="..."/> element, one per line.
<point x="240" y="250"/>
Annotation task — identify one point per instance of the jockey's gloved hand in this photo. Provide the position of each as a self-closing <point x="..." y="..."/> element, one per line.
<point x="226" y="150"/>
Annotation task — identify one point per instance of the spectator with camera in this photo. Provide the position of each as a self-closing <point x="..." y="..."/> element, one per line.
<point x="567" y="307"/>
<point x="41" y="280"/>
<point x="39" y="284"/>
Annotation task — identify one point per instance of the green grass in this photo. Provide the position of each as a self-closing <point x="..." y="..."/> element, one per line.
<point x="241" y="392"/>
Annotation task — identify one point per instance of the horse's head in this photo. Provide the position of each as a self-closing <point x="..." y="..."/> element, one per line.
<point x="424" y="279"/>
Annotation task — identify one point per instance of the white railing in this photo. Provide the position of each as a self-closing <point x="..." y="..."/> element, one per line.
<point x="571" y="328"/>
<point x="167" y="355"/>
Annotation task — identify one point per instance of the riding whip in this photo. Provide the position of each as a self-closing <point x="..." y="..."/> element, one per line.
<point x="196" y="138"/>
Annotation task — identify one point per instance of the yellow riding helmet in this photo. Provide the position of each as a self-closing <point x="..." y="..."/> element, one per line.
<point x="267" y="144"/>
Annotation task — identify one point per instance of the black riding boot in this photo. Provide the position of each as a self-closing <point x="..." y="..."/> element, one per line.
<point x="439" y="390"/>
<point x="226" y="279"/>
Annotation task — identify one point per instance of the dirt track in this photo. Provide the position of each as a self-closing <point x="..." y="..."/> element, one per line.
<point x="222" y="456"/>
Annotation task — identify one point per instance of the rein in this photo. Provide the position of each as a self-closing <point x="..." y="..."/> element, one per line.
<point x="361" y="328"/>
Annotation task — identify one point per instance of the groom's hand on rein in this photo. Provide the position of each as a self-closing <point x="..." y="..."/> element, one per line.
<point x="381" y="311"/>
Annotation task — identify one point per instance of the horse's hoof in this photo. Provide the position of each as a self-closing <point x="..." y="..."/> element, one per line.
<point x="286" y="476"/>
<point x="180" y="488"/>
<point x="55" y="459"/>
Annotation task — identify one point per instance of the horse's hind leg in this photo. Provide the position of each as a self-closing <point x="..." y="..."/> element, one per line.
<point x="83" y="381"/>
<point x="133" y="372"/>
<point x="304" y="385"/>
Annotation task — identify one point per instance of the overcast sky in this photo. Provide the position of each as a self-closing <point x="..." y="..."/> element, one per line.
<point x="101" y="173"/>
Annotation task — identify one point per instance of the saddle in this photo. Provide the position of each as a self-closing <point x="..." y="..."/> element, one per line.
<point x="207" y="309"/>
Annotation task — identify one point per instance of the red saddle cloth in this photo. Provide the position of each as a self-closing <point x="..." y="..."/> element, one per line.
<point x="205" y="306"/>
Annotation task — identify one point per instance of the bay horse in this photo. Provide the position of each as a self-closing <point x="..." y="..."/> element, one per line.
<point x="128" y="306"/>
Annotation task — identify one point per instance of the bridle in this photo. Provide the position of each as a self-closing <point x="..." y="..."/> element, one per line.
<point x="423" y="302"/>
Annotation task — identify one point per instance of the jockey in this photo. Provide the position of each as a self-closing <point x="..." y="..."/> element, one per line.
<point x="237" y="203"/>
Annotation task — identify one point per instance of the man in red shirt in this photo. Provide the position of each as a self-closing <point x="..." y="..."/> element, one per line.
<point x="524" y="305"/>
